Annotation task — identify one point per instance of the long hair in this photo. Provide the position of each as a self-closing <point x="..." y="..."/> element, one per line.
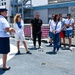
<point x="55" y="18"/>
<point x="16" y="18"/>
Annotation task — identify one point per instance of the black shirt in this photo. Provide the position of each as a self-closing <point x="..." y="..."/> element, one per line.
<point x="36" y="25"/>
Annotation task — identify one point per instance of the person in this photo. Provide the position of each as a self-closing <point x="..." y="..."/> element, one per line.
<point x="62" y="33"/>
<point x="50" y="33"/>
<point x="4" y="36"/>
<point x="19" y="35"/>
<point x="55" y="29"/>
<point x="36" y="24"/>
<point x="69" y="24"/>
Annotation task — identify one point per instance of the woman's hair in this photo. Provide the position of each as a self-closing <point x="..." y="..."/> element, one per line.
<point x="55" y="18"/>
<point x="0" y="13"/>
<point x="16" y="17"/>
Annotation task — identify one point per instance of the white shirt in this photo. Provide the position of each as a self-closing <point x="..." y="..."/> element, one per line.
<point x="53" y="25"/>
<point x="69" y="21"/>
<point x="50" y="24"/>
<point x="3" y="24"/>
<point x="19" y="31"/>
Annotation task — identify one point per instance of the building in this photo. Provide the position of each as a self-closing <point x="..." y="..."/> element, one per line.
<point x="55" y="7"/>
<point x="24" y="7"/>
<point x="8" y="5"/>
<point x="46" y="8"/>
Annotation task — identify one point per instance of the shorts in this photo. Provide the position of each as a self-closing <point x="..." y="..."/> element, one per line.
<point x="69" y="33"/>
<point x="19" y="37"/>
<point x="4" y="45"/>
<point x="62" y="34"/>
<point x="50" y="34"/>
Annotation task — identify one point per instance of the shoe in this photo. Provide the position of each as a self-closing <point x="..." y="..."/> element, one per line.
<point x="40" y="47"/>
<point x="50" y="44"/>
<point x="54" y="51"/>
<point x="34" y="47"/>
<point x="63" y="48"/>
<point x="28" y="52"/>
<point x="6" y="68"/>
<point x="69" y="48"/>
<point x="18" y="53"/>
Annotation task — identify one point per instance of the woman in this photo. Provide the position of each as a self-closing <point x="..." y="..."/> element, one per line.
<point x="50" y="33"/>
<point x="4" y="36"/>
<point x="55" y="29"/>
<point x="19" y="35"/>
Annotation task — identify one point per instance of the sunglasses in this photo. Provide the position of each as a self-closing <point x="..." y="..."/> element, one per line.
<point x="20" y="17"/>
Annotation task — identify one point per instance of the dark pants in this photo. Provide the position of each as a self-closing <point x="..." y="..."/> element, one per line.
<point x="35" y="35"/>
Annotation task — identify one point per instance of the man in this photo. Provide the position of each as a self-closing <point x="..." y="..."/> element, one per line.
<point x="36" y="24"/>
<point x="69" y="24"/>
<point x="4" y="36"/>
<point x="62" y="33"/>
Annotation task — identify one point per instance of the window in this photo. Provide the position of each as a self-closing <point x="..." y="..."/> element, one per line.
<point x="4" y="3"/>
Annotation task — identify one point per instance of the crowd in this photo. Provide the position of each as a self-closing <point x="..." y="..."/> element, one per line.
<point x="59" y="28"/>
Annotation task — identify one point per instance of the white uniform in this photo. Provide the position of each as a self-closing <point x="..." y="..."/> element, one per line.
<point x="69" y="21"/>
<point x="58" y="28"/>
<point x="4" y="36"/>
<point x="19" y="35"/>
<point x="3" y="24"/>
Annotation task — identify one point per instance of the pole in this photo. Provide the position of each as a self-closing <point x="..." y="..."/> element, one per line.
<point x="22" y="10"/>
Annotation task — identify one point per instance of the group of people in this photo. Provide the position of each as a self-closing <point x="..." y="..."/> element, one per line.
<point x="4" y="35"/>
<point x="18" y="27"/>
<point x="60" y="28"/>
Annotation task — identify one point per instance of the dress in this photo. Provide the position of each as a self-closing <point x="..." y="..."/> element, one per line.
<point x="19" y="35"/>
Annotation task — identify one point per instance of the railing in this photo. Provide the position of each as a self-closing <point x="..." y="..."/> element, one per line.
<point x="28" y="30"/>
<point x="45" y="30"/>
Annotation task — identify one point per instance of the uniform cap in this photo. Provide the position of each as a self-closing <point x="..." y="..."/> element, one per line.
<point x="3" y="8"/>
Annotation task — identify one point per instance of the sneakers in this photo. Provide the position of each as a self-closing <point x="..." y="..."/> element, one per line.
<point x="28" y="52"/>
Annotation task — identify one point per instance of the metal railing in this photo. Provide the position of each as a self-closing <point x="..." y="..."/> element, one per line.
<point x="45" y="30"/>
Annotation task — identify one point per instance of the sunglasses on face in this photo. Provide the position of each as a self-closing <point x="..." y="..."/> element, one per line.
<point x="20" y="17"/>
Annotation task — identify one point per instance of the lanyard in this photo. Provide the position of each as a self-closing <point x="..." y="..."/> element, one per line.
<point x="70" y="21"/>
<point x="56" y="25"/>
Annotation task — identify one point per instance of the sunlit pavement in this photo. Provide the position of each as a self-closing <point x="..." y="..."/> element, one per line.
<point x="41" y="62"/>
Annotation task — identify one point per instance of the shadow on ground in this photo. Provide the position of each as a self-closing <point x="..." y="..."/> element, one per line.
<point x="1" y="71"/>
<point x="51" y="53"/>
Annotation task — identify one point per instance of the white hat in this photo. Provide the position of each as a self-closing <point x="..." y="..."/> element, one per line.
<point x="3" y="8"/>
